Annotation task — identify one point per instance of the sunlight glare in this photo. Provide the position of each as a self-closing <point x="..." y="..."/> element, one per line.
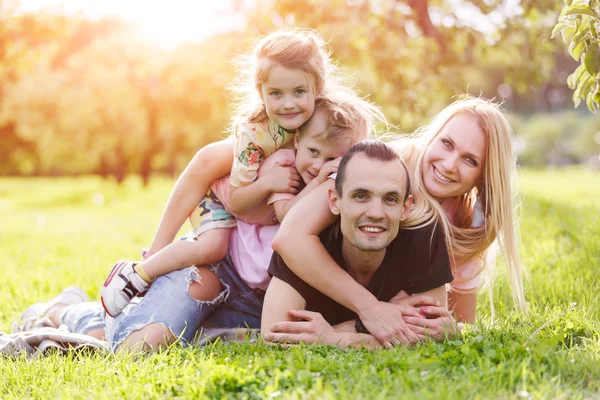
<point x="166" y="24"/>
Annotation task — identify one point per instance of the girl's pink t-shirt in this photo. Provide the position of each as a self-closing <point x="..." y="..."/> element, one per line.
<point x="250" y="244"/>
<point x="251" y="251"/>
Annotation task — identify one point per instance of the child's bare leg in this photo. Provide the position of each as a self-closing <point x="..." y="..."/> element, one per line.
<point x="210" y="247"/>
<point x="208" y="287"/>
<point x="152" y="336"/>
<point x="55" y="313"/>
<point x="127" y="278"/>
<point x="209" y="164"/>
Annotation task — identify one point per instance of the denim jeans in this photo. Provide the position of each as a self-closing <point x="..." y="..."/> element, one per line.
<point x="169" y="303"/>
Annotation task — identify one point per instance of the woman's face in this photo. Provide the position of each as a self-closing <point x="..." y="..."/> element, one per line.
<point x="453" y="162"/>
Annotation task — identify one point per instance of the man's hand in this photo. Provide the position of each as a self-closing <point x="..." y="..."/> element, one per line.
<point x="330" y="167"/>
<point x="311" y="329"/>
<point x="415" y="300"/>
<point x="283" y="178"/>
<point x="386" y="322"/>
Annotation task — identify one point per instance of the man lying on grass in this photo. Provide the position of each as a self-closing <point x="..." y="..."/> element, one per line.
<point x="372" y="198"/>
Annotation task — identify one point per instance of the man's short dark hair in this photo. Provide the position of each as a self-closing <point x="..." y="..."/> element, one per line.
<point x="373" y="150"/>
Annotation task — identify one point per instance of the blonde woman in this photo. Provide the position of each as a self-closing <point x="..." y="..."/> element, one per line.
<point x="462" y="170"/>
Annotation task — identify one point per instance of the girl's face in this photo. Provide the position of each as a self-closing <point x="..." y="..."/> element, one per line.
<point x="453" y="162"/>
<point x="312" y="151"/>
<point x="289" y="97"/>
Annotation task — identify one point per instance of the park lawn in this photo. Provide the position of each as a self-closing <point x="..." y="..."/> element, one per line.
<point x="58" y="232"/>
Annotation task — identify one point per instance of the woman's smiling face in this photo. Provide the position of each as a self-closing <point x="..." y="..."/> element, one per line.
<point x="453" y="162"/>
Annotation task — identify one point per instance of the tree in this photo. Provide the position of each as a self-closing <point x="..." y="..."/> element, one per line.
<point x="80" y="96"/>
<point x="412" y="56"/>
<point x="578" y="24"/>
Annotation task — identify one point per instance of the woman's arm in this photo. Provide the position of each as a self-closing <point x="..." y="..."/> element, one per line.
<point x="282" y="207"/>
<point x="209" y="164"/>
<point x="298" y="244"/>
<point x="463" y="291"/>
<point x="463" y="306"/>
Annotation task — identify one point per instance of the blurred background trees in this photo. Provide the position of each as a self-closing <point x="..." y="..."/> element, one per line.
<point x="93" y="96"/>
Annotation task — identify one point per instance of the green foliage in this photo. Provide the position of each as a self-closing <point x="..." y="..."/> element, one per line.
<point x="578" y="25"/>
<point x="58" y="232"/>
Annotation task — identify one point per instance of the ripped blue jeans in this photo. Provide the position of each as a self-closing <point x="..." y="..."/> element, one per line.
<point x="169" y="303"/>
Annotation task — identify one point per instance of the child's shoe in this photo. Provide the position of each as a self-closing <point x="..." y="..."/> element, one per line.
<point x="122" y="285"/>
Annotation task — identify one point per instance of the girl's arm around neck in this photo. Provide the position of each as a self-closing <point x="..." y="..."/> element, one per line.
<point x="281" y="178"/>
<point x="283" y="206"/>
<point x="245" y="198"/>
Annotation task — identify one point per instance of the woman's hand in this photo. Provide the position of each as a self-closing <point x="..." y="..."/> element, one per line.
<point x="311" y="329"/>
<point x="439" y="324"/>
<point x="386" y="321"/>
<point x="436" y="322"/>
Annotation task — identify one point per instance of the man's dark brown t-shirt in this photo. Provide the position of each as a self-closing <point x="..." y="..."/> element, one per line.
<point x="415" y="261"/>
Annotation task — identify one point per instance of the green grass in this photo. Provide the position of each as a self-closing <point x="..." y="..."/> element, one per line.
<point x="53" y="234"/>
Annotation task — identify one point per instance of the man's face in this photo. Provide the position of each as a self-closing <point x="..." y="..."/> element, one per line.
<point x="372" y="203"/>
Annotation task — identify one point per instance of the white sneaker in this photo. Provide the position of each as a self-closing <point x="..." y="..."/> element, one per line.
<point x="71" y="295"/>
<point x="121" y="286"/>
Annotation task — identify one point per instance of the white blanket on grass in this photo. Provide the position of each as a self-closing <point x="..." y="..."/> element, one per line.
<point x="40" y="337"/>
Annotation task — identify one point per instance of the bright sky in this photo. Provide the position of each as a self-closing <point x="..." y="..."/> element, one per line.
<point x="166" y="23"/>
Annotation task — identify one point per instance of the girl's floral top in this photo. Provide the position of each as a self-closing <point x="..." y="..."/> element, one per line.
<point x="254" y="143"/>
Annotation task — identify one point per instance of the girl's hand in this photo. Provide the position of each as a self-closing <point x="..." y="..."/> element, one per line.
<point x="283" y="178"/>
<point x="330" y="167"/>
<point x="439" y="325"/>
<point x="311" y="329"/>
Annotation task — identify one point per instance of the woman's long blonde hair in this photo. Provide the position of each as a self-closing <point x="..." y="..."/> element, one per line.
<point x="497" y="192"/>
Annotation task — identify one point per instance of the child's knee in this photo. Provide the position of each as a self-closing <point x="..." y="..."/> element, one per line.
<point x="207" y="287"/>
<point x="148" y="338"/>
